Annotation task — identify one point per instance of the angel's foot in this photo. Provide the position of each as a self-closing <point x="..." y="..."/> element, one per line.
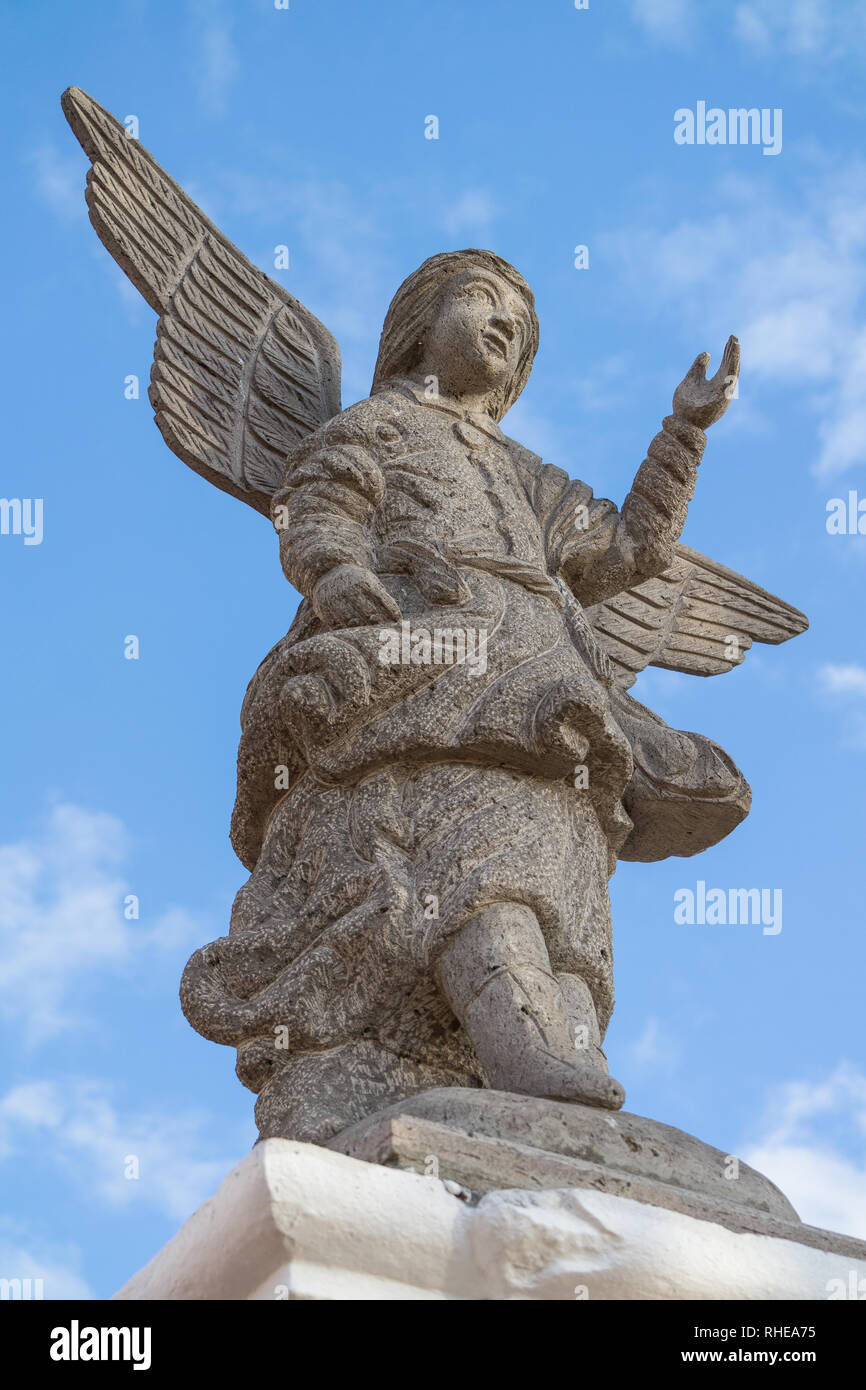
<point x="559" y="1081"/>
<point x="496" y="975"/>
<point x="583" y="1022"/>
<point x="515" y="1027"/>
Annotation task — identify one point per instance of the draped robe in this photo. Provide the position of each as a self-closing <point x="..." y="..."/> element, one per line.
<point x="382" y="804"/>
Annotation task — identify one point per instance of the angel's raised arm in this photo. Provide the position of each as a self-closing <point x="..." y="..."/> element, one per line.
<point x="601" y="551"/>
<point x="242" y="371"/>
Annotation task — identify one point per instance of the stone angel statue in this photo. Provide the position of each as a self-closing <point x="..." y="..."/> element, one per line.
<point x="440" y="763"/>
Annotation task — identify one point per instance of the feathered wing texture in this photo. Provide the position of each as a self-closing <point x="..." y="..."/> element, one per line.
<point x="242" y="372"/>
<point x="697" y="617"/>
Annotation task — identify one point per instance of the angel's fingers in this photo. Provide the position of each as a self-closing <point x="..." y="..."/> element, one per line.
<point x="374" y="613"/>
<point x="341" y="611"/>
<point x="382" y="605"/>
<point x="698" y="370"/>
<point x="366" y="609"/>
<point x="392" y="611"/>
<point x="729" y="368"/>
<point x="361" y="611"/>
<point x="731" y="359"/>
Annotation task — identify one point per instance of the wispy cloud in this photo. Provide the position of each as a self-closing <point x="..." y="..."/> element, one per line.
<point x="62" y="919"/>
<point x="24" y="1256"/>
<point x="843" y="680"/>
<point x="155" y="1157"/>
<point x="801" y="28"/>
<point x="844" y="690"/>
<point x="59" y="181"/>
<point x="473" y="212"/>
<point x="788" y="275"/>
<point x="216" y="59"/>
<point x="824" y="1177"/>
<point x="669" y="22"/>
<point x="655" y="1049"/>
<point x="822" y="31"/>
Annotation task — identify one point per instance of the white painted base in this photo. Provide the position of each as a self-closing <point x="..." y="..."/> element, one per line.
<point x="298" y="1221"/>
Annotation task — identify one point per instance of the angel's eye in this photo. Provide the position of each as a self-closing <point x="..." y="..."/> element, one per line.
<point x="480" y="292"/>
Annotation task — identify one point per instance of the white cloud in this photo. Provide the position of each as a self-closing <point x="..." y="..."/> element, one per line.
<point x="815" y="30"/>
<point x="752" y="29"/>
<point x="788" y="275"/>
<point x="843" y="680"/>
<point x="824" y="1177"/>
<point x="474" y="211"/>
<point x="216" y="59"/>
<point x="825" y="29"/>
<point x="77" y="1124"/>
<point x="847" y="683"/>
<point x="62" y="918"/>
<point x="59" y="181"/>
<point x="667" y="21"/>
<point x="655" y="1049"/>
<point x="58" y="1266"/>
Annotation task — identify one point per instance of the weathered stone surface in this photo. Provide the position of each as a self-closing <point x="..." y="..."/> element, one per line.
<point x="440" y="763"/>
<point x="296" y="1221"/>
<point x="486" y="1140"/>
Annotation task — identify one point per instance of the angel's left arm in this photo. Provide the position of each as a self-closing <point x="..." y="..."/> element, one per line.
<point x="600" y="551"/>
<point x="608" y="550"/>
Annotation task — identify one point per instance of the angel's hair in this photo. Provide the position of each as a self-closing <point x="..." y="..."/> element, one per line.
<point x="412" y="309"/>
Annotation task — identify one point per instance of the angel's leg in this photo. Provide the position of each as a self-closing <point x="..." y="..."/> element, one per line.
<point x="497" y="977"/>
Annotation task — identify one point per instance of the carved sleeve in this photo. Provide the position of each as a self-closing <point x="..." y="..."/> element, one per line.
<point x="600" y="551"/>
<point x="321" y="512"/>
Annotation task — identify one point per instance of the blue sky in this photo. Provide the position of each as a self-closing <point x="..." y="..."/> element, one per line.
<point x="305" y="127"/>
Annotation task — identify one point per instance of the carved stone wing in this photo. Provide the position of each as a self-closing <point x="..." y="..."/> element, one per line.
<point x="242" y="371"/>
<point x="697" y="617"/>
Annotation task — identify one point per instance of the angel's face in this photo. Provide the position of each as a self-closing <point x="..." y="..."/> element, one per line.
<point x="477" y="338"/>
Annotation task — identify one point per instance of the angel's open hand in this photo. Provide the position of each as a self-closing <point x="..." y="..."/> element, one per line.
<point x="703" y="402"/>
<point x="351" y="596"/>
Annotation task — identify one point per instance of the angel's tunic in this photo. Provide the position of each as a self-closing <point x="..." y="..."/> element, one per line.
<point x="421" y="791"/>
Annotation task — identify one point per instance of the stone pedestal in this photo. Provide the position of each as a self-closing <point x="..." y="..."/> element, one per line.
<point x="489" y="1140"/>
<point x="532" y="1200"/>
